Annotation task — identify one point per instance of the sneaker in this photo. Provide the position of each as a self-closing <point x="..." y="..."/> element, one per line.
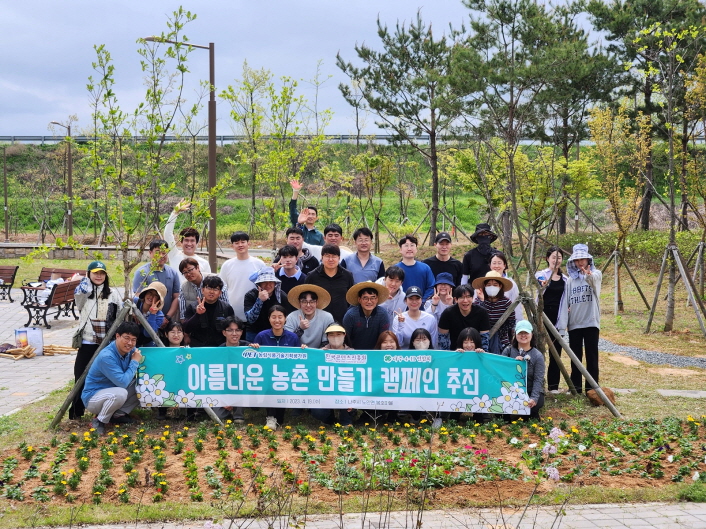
<point x="436" y="423"/>
<point x="271" y="422"/>
<point x="99" y="426"/>
<point x="122" y="419"/>
<point x="555" y="391"/>
<point x="239" y="422"/>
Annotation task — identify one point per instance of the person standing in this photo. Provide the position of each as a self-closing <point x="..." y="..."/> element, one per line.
<point x="204" y="316"/>
<point x="333" y="234"/>
<point x="236" y="271"/>
<point x="305" y="220"/>
<point x="583" y="314"/>
<point x="305" y="261"/>
<point x="310" y="321"/>
<point x="442" y="262"/>
<point x="363" y="264"/>
<point x="334" y="279"/>
<point x="191" y="288"/>
<point x="524" y="349"/>
<point x="98" y="306"/>
<point x="288" y="272"/>
<point x="416" y="273"/>
<point x="476" y="262"/>
<point x="394" y="277"/>
<point x="189" y="239"/>
<point x="158" y="270"/>
<point x="553" y="282"/>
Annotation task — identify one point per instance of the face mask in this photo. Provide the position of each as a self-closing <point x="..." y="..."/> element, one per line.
<point x="421" y="344"/>
<point x="485" y="239"/>
<point x="336" y="341"/>
<point x="492" y="291"/>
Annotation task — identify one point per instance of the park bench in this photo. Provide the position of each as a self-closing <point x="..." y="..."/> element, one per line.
<point x="60" y="297"/>
<point x="30" y="287"/>
<point x="7" y="274"/>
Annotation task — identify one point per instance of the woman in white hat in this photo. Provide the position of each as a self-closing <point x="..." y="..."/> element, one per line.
<point x="490" y="294"/>
<point x="258" y="301"/>
<point x="582" y="313"/>
<point x="150" y="302"/>
<point x="98" y="305"/>
<point x="524" y="348"/>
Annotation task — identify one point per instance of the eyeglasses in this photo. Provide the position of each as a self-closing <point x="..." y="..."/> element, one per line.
<point x="307" y="301"/>
<point x="128" y="339"/>
<point x="188" y="271"/>
<point x="466" y="297"/>
<point x="369" y="298"/>
<point x="233" y="331"/>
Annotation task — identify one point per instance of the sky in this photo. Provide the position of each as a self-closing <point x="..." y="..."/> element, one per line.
<point x="48" y="49"/>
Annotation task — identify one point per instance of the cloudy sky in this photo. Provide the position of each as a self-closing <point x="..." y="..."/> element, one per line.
<point x="48" y="49"/>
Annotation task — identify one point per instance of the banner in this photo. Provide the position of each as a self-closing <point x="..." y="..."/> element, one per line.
<point x="286" y="377"/>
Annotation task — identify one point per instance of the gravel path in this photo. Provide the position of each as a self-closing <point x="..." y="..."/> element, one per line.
<point x="651" y="357"/>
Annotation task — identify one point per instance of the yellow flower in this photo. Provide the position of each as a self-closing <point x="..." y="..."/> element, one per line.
<point x="110" y="453"/>
<point x="162" y="482"/>
<point x="63" y="482"/>
<point x="574" y="429"/>
<point x="181" y="440"/>
<point x="121" y="491"/>
<point x="97" y="493"/>
<point x="337" y="425"/>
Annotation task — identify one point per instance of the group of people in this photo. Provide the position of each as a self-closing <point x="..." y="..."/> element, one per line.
<point x="318" y="294"/>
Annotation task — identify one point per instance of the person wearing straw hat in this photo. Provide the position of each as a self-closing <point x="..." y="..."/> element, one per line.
<point x="334" y="279"/>
<point x="476" y="261"/>
<point x="309" y="321"/>
<point x="258" y="301"/>
<point x="582" y="315"/>
<point x="490" y="294"/>
<point x="150" y="302"/>
<point x="364" y="321"/>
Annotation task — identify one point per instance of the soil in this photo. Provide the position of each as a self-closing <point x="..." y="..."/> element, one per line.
<point x="458" y="495"/>
<point x="623" y="360"/>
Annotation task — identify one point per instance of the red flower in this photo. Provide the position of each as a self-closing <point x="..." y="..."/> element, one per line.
<point x="447" y="472"/>
<point x="300" y="481"/>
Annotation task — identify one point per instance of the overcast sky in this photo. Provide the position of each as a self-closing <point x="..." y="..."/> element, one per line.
<point x="47" y="49"/>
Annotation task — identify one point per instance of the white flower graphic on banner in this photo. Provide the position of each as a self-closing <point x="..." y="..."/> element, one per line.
<point x="517" y="391"/>
<point x="211" y="402"/>
<point x="515" y="407"/>
<point x="150" y="400"/>
<point x="184" y="399"/>
<point x="145" y="384"/>
<point x="505" y="396"/>
<point x="481" y="404"/>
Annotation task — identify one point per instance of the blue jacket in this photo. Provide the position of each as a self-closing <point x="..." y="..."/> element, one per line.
<point x="109" y="370"/>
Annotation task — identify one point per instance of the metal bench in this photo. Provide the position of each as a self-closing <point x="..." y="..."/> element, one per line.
<point x="61" y="297"/>
<point x="7" y="274"/>
<point x="30" y="287"/>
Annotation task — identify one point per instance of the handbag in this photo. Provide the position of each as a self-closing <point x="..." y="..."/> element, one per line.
<point x="77" y="338"/>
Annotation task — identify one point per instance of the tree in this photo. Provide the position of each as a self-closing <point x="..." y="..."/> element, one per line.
<point x="407" y="86"/>
<point x="512" y="52"/>
<point x="624" y="21"/>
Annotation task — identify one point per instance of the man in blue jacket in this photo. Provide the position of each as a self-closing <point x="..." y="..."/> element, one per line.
<point x="109" y="390"/>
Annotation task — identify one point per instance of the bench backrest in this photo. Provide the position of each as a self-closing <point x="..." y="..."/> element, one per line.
<point x="65" y="273"/>
<point x="62" y="293"/>
<point x="8" y="273"/>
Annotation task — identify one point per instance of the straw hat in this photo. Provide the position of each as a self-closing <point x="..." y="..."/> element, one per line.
<point x="159" y="289"/>
<point x="324" y="298"/>
<point x="505" y="282"/>
<point x="352" y="294"/>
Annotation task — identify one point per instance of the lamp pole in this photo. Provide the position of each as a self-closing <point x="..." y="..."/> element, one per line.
<point x="4" y="176"/>
<point x="70" y="187"/>
<point x="212" y="239"/>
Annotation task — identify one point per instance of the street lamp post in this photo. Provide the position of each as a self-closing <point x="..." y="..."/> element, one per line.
<point x="4" y="176"/>
<point x="212" y="239"/>
<point x="70" y="188"/>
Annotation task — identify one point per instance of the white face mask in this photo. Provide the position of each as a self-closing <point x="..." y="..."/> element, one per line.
<point x="492" y="291"/>
<point x="336" y="341"/>
<point x="421" y="344"/>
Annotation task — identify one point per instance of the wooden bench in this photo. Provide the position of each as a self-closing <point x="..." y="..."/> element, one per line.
<point x="61" y="297"/>
<point x="7" y="274"/>
<point x="30" y="287"/>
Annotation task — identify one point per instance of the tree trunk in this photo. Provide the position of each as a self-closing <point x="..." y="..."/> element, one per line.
<point x="669" y="318"/>
<point x="646" y="204"/>
<point x="682" y="178"/>
<point x="434" y="161"/>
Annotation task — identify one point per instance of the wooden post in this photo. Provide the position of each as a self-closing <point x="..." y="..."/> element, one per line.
<point x="698" y="304"/>
<point x="659" y="287"/>
<point x="549" y="325"/>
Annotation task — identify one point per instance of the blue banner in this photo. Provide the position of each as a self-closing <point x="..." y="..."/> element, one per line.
<point x="286" y="377"/>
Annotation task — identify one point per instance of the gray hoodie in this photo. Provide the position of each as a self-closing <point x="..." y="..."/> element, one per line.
<point x="582" y="293"/>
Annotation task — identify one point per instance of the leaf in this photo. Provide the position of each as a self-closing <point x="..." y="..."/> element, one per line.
<point x="519" y="368"/>
<point x="171" y="403"/>
<point x="496" y="408"/>
<point x="198" y="403"/>
<point x="157" y="378"/>
<point x="507" y="385"/>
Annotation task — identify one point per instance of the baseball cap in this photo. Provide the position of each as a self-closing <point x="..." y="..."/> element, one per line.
<point x="413" y="291"/>
<point x="97" y="266"/>
<point x="523" y="326"/>
<point x="442" y="236"/>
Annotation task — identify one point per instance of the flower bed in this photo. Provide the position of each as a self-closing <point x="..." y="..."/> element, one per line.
<point x="210" y="462"/>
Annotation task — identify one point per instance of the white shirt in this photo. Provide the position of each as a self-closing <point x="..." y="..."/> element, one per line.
<point x="404" y="330"/>
<point x="175" y="255"/>
<point x="235" y="273"/>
